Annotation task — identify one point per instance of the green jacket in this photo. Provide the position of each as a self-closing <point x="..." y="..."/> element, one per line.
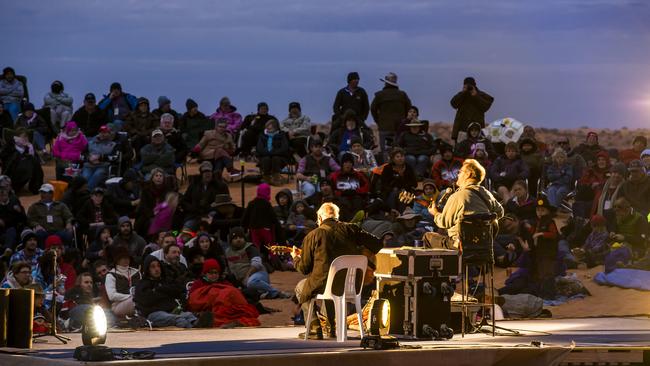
<point x="38" y="213"/>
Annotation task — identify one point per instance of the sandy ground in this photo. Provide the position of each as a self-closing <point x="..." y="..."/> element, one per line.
<point x="605" y="301"/>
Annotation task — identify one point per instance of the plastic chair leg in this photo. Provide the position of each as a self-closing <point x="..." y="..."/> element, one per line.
<point x="308" y="317"/>
<point x="339" y="311"/>
<point x="359" y="309"/>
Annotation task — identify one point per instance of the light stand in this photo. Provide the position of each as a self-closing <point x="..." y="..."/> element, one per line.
<point x="242" y="162"/>
<point x="52" y="331"/>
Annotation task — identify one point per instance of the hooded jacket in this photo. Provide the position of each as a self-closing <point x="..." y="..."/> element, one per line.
<point x="282" y="212"/>
<point x="299" y="126"/>
<point x="234" y="118"/>
<point x="69" y="148"/>
<point x="140" y="124"/>
<point x="157" y="294"/>
<point x="259" y="213"/>
<point x="194" y="126"/>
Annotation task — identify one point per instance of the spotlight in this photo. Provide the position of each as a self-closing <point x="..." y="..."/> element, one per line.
<point x="379" y="327"/>
<point x="93" y="330"/>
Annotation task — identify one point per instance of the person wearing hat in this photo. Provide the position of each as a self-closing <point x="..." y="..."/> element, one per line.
<point x="12" y="92"/>
<point x="59" y="103"/>
<point x="422" y="202"/>
<point x="165" y="107"/>
<point x="35" y="125"/>
<point x="217" y="146"/>
<point x="260" y="220"/>
<point x="67" y="149"/>
<point x="463" y="149"/>
<point x="252" y="127"/>
<point x="470" y="105"/>
<point x="89" y="117"/>
<point x="201" y="192"/>
<point x="30" y="251"/>
<point x="118" y="104"/>
<point x="351" y="187"/>
<point x="611" y="190"/>
<point x="636" y="187"/>
<point x="139" y="124"/>
<point x="596" y="245"/>
<point x="627" y="227"/>
<point x="314" y="167"/>
<point x="47" y="216"/>
<point x="125" y="194"/>
<point x="128" y="238"/>
<point x="102" y="151"/>
<point x="639" y="144"/>
<point x="419" y="146"/>
<point x="272" y="151"/>
<point x="389" y="107"/>
<point x="225" y="215"/>
<point x="194" y="123"/>
<point x="340" y="140"/>
<point x="96" y="213"/>
<point x="589" y="149"/>
<point x="445" y="171"/>
<point x="121" y="281"/>
<point x="364" y="159"/>
<point x="351" y="97"/>
<point x="405" y="228"/>
<point x="158" y="154"/>
<point x="228" y="112"/>
<point x="544" y="249"/>
<point x="645" y="159"/>
<point x="413" y="115"/>
<point x="297" y="126"/>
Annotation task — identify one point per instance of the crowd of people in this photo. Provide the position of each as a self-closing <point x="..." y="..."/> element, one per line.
<point x="117" y="227"/>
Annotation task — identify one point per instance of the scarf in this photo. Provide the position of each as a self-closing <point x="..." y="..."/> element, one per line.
<point x="269" y="139"/>
<point x="603" y="196"/>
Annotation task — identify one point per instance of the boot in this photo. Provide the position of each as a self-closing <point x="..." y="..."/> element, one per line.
<point x="315" y="332"/>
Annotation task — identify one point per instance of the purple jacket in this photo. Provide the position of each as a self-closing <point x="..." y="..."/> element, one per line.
<point x="69" y="149"/>
<point x="234" y="119"/>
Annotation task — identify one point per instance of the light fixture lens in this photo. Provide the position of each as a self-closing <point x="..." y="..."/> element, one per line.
<point x="385" y="314"/>
<point x="99" y="321"/>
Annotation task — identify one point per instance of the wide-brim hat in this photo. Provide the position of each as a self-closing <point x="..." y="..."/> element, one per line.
<point x="415" y="123"/>
<point x="223" y="200"/>
<point x="542" y="201"/>
<point x="390" y="79"/>
<point x="409" y="214"/>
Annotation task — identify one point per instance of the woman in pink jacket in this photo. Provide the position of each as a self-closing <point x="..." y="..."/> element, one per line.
<point x="67" y="150"/>
<point x="228" y="112"/>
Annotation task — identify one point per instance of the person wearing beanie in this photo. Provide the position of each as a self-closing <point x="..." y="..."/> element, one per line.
<point x="165" y="106"/>
<point x="228" y="112"/>
<point x="121" y="282"/>
<point x="470" y="104"/>
<point x="89" y="117"/>
<point x="423" y="201"/>
<point x="126" y="237"/>
<point x="272" y="152"/>
<point x="636" y="188"/>
<point x="194" y="123"/>
<point x="605" y="198"/>
<point x="217" y="146"/>
<point x="30" y="252"/>
<point x="59" y="103"/>
<point x="297" y="126"/>
<point x="589" y="149"/>
<point x="389" y="107"/>
<point x="198" y="200"/>
<point x="645" y="159"/>
<point x="253" y="127"/>
<point x="351" y="97"/>
<point x="639" y="144"/>
<point x="34" y="125"/>
<point x="67" y="150"/>
<point x="125" y="195"/>
<point x="474" y="135"/>
<point x="139" y="124"/>
<point x="12" y="92"/>
<point x="351" y="187"/>
<point x="596" y="246"/>
<point x="260" y="220"/>
<point x="117" y="104"/>
<point x="340" y="140"/>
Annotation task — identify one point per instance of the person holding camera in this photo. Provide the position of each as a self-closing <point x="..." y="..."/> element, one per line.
<point x="101" y="152"/>
<point x="470" y="105"/>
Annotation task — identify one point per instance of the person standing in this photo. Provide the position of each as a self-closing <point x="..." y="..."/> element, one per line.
<point x="351" y="97"/>
<point x="470" y="105"/>
<point x="389" y="108"/>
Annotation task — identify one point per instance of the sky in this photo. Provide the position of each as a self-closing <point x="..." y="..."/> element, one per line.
<point x="547" y="63"/>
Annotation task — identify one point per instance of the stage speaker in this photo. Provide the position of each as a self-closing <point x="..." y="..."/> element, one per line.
<point x="21" y="314"/>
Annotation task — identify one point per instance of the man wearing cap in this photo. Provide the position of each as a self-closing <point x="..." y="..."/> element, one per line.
<point x="89" y="117"/>
<point x="128" y="238"/>
<point x="11" y="92"/>
<point x="101" y="152"/>
<point x="589" y="149"/>
<point x="118" y="104"/>
<point x="12" y="218"/>
<point x="252" y="127"/>
<point x="48" y="217"/>
<point x="470" y="105"/>
<point x="165" y="106"/>
<point x="229" y="112"/>
<point x="140" y="123"/>
<point x="297" y="127"/>
<point x="470" y="198"/>
<point x="636" y="187"/>
<point x="158" y="154"/>
<point x="389" y="107"/>
<point x="194" y="123"/>
<point x="419" y="147"/>
<point x="351" y="97"/>
<point x="34" y="124"/>
<point x="199" y="198"/>
<point x="314" y="167"/>
<point x="30" y="252"/>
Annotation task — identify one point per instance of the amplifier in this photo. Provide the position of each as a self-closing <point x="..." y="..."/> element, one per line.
<point x="411" y="262"/>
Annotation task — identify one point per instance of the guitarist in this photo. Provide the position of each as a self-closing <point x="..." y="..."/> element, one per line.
<point x="319" y="248"/>
<point x="469" y="199"/>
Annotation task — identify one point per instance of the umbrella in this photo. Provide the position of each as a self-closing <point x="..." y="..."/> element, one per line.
<point x="504" y="130"/>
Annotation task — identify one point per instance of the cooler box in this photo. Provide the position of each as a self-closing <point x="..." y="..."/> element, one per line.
<point x="411" y="262"/>
<point x="59" y="188"/>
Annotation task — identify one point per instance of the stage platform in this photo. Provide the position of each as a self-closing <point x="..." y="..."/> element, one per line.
<point x="563" y="342"/>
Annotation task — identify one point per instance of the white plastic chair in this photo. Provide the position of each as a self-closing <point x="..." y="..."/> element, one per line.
<point x="341" y="296"/>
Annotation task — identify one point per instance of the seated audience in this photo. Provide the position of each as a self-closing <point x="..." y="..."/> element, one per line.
<point x="314" y="167"/>
<point x="120" y="282"/>
<point x="297" y="126"/>
<point x="273" y="152"/>
<point x="506" y="170"/>
<point x="194" y="123"/>
<point x="59" y="103"/>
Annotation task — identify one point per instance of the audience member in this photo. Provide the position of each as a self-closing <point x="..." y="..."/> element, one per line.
<point x="59" y="103"/>
<point x="273" y="152"/>
<point x="389" y="107"/>
<point x="297" y="126"/>
<point x="351" y="97"/>
<point x="314" y="167"/>
<point x="89" y="117"/>
<point x="470" y="105"/>
<point x="118" y="104"/>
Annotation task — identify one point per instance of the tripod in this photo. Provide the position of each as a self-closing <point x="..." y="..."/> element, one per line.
<point x="52" y="331"/>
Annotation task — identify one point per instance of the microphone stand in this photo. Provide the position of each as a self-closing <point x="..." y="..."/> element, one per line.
<point x="52" y="331"/>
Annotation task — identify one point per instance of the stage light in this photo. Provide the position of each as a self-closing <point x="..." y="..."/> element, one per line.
<point x="379" y="327"/>
<point x="93" y="330"/>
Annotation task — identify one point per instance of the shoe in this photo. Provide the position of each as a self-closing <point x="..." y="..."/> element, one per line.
<point x="315" y="333"/>
<point x="205" y="320"/>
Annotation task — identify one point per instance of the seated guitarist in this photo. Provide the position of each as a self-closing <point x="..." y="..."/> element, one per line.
<point x="469" y="199"/>
<point x="319" y="248"/>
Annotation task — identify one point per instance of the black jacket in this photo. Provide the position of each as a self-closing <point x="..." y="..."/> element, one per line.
<point x="89" y="123"/>
<point x="280" y="145"/>
<point x="356" y="101"/>
<point x="389" y="108"/>
<point x="469" y="109"/>
<point x="157" y="294"/>
<point x="198" y="197"/>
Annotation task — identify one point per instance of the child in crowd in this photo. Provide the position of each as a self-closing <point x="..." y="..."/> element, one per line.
<point x="299" y="222"/>
<point x="596" y="245"/>
<point x="545" y="247"/>
<point x="423" y="201"/>
<point x="164" y="214"/>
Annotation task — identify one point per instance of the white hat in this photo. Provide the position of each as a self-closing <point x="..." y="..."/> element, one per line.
<point x="390" y="79"/>
<point x="46" y="188"/>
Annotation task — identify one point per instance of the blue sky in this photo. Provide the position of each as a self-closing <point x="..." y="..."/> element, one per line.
<point x="548" y="63"/>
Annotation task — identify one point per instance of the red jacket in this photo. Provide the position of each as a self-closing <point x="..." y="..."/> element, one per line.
<point x="444" y="173"/>
<point x="353" y="181"/>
